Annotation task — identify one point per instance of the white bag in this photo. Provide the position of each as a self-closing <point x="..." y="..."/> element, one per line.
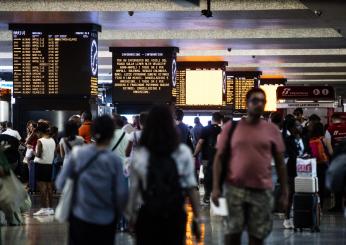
<point x="306" y="184"/>
<point x="307" y="167"/>
<point x="63" y="210"/>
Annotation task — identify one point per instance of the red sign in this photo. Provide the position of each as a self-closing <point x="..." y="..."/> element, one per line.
<point x="338" y="133"/>
<point x="305" y="93"/>
<point x="5" y="92"/>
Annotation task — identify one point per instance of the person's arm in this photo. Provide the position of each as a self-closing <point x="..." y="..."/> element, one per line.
<point x="128" y="149"/>
<point x="62" y="151"/>
<point x="282" y="176"/>
<point x="198" y="147"/>
<point x="65" y="172"/>
<point x="216" y="193"/>
<point x="328" y="144"/>
<point x="38" y="152"/>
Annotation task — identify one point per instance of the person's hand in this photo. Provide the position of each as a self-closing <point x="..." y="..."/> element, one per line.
<point x="196" y="229"/>
<point x="283" y="201"/>
<point x="215" y="195"/>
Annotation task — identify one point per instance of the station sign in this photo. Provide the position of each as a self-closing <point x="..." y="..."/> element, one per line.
<point x="314" y="93"/>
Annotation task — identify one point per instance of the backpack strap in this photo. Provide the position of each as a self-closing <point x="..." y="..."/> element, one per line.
<point x="68" y="144"/>
<point x="119" y="141"/>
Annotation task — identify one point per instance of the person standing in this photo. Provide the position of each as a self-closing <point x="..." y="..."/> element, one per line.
<point x="85" y="129"/>
<point x="134" y="137"/>
<point x="321" y="149"/>
<point x="196" y="131"/>
<point x="248" y="185"/>
<point x="43" y="162"/>
<point x="162" y="177"/>
<point x="70" y="140"/>
<point x="101" y="193"/>
<point x="295" y="147"/>
<point x="12" y="132"/>
<point x="206" y="145"/>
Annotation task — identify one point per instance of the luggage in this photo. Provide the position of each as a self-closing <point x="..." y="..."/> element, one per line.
<point x="306" y="211"/>
<point x="306" y="184"/>
<point x="32" y="177"/>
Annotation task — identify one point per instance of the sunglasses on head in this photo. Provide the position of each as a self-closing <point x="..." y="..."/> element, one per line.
<point x="256" y="101"/>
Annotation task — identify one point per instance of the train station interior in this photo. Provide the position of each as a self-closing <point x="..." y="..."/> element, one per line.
<point x="62" y="58"/>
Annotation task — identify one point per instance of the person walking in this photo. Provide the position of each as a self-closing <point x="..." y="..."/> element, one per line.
<point x="134" y="137"/>
<point x="101" y="193"/>
<point x="162" y="177"/>
<point x="206" y="145"/>
<point x="12" y="132"/>
<point x="248" y="184"/>
<point x="44" y="156"/>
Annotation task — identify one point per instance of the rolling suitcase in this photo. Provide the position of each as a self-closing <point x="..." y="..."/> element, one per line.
<point x="306" y="211"/>
<point x="306" y="184"/>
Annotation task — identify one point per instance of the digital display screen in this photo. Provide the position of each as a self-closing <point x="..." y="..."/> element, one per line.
<point x="54" y="62"/>
<point x="201" y="85"/>
<point x="270" y="91"/>
<point x="238" y="84"/>
<point x="143" y="75"/>
<point x="204" y="87"/>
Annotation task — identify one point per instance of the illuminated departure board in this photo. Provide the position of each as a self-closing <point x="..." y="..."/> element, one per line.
<point x="143" y="75"/>
<point x="201" y="85"/>
<point x="238" y="84"/>
<point x="55" y="60"/>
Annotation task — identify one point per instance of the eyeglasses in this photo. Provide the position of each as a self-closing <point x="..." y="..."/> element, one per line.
<point x="256" y="101"/>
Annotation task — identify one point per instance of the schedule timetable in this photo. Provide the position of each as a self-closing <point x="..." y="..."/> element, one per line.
<point x="50" y="60"/>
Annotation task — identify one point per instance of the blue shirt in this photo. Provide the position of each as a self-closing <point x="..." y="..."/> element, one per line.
<point x="101" y="190"/>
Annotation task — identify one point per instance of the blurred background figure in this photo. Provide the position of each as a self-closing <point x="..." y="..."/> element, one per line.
<point x="85" y="128"/>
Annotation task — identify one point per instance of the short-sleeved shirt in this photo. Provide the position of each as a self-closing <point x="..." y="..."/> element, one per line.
<point x="77" y="141"/>
<point x="209" y="135"/>
<point x="183" y="159"/>
<point x="183" y="132"/>
<point x="85" y="132"/>
<point x="251" y="146"/>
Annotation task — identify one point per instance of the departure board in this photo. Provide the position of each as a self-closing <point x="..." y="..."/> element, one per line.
<point x="143" y="75"/>
<point x="238" y="84"/>
<point x="201" y="85"/>
<point x="54" y="60"/>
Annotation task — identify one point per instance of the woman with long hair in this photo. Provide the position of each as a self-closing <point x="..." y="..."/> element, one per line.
<point x="71" y="138"/>
<point x="162" y="177"/>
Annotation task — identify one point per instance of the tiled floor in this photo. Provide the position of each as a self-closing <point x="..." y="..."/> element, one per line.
<point x="45" y="231"/>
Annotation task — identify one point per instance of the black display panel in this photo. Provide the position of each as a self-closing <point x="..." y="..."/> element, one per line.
<point x="201" y="86"/>
<point x="59" y="60"/>
<point x="143" y="74"/>
<point x="238" y="84"/>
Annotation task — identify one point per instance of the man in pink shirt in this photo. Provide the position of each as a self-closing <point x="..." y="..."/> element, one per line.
<point x="248" y="185"/>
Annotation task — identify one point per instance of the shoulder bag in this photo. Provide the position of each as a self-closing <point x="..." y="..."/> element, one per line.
<point x="64" y="208"/>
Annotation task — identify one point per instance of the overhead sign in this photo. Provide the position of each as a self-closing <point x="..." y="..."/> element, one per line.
<point x="306" y="93"/>
<point x="305" y="105"/>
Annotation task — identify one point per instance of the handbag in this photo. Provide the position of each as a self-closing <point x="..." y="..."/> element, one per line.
<point x="12" y="192"/>
<point x="64" y="208"/>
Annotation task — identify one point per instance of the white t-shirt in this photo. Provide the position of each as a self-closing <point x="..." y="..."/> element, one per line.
<point x="120" y="150"/>
<point x="13" y="133"/>
<point x="48" y="151"/>
<point x="185" y="166"/>
<point x="77" y="141"/>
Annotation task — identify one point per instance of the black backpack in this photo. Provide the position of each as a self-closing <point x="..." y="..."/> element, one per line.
<point x="163" y="197"/>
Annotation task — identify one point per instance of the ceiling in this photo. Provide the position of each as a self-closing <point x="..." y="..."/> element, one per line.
<point x="277" y="37"/>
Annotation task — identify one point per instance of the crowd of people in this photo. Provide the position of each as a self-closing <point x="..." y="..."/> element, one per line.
<point x="143" y="174"/>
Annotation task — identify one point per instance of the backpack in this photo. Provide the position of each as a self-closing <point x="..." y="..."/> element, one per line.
<point x="318" y="150"/>
<point x="163" y="197"/>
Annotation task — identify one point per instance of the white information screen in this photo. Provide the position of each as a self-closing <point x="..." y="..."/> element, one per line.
<point x="204" y="87"/>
